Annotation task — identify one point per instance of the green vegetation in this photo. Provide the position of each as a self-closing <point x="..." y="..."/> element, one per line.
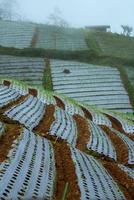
<point x="127" y="83"/>
<point x="130" y="73"/>
<point x="91" y="41"/>
<point x="65" y="191"/>
<point x="112" y="44"/>
<point x="89" y="56"/>
<point x="47" y="82"/>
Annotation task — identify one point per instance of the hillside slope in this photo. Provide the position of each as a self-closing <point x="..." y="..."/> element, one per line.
<point x="59" y="148"/>
<point x="111" y="44"/>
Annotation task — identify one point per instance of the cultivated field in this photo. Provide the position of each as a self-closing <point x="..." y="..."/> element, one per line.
<point x="16" y="34"/>
<point x="29" y="70"/>
<point x="52" y="37"/>
<point x="53" y="147"/>
<point x="59" y="148"/>
<point x="95" y="85"/>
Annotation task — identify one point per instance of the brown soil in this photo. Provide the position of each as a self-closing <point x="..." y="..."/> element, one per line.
<point x="83" y="132"/>
<point x="48" y="84"/>
<point x="11" y="133"/>
<point x="13" y="103"/>
<point x="117" y="125"/>
<point x="120" y="147"/>
<point x="87" y="113"/>
<point x="33" y="92"/>
<point x="35" y="37"/>
<point x="6" y="83"/>
<point x="59" y="103"/>
<point x="47" y="61"/>
<point x="65" y="173"/>
<point x="124" y="181"/>
<point x="130" y="136"/>
<point x="48" y="118"/>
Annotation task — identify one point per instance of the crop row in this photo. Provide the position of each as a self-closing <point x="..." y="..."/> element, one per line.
<point x="64" y="127"/>
<point x="7" y="95"/>
<point x="2" y="129"/>
<point x="129" y="143"/>
<point x="30" y="170"/>
<point x="29" y="112"/>
<point x="100" y="142"/>
<point x="93" y="179"/>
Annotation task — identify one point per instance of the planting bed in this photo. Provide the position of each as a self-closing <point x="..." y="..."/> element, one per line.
<point x="7" y="95"/>
<point x="2" y="129"/>
<point x="97" y="117"/>
<point x="29" y="112"/>
<point x="64" y="126"/>
<point x="127" y="125"/>
<point x="93" y="179"/>
<point x="69" y="106"/>
<point x="128" y="170"/>
<point x="130" y="145"/>
<point x="100" y="142"/>
<point x="29" y="172"/>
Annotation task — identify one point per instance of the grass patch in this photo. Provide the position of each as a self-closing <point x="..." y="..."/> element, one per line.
<point x="47" y="80"/>
<point x="127" y="84"/>
<point x="88" y="56"/>
<point x="91" y="41"/>
<point x="113" y="44"/>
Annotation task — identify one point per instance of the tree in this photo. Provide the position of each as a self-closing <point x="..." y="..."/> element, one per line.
<point x="56" y="18"/>
<point x="127" y="30"/>
<point x="59" y="24"/>
<point x="8" y="9"/>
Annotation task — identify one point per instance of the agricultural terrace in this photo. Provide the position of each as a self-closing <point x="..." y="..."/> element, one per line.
<point x="29" y="70"/>
<point x="16" y="34"/>
<point x="60" y="38"/>
<point x="55" y="148"/>
<point x="92" y="84"/>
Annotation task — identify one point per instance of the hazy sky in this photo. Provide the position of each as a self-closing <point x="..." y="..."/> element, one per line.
<point x="80" y="13"/>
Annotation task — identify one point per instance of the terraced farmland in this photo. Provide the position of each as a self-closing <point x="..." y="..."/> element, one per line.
<point x="16" y="34"/>
<point x="95" y="85"/>
<point x="52" y="37"/>
<point x="29" y="70"/>
<point x="59" y="150"/>
<point x="53" y="147"/>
